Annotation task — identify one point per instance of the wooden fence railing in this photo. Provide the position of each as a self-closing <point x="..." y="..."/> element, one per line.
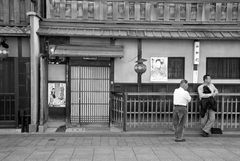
<point x="13" y="12"/>
<point x="136" y="110"/>
<point x="189" y="11"/>
<point x="8" y="111"/>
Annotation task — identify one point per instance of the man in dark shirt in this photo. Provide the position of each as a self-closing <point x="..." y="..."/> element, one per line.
<point x="208" y="118"/>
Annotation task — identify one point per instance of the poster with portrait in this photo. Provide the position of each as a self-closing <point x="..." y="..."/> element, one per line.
<point x="159" y="69"/>
<point x="57" y="94"/>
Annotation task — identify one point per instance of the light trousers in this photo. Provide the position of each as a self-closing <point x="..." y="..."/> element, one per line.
<point x="208" y="120"/>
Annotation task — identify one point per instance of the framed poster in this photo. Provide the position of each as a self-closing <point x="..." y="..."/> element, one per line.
<point x="56" y="94"/>
<point x="159" y="69"/>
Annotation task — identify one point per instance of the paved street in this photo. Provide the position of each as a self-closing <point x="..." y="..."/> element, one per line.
<point x="63" y="148"/>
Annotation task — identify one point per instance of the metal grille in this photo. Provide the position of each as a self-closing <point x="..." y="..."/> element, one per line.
<point x="89" y="94"/>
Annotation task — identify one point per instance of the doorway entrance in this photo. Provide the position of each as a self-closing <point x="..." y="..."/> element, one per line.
<point x="90" y="87"/>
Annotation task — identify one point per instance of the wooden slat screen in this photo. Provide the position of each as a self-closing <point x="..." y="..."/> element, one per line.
<point x="13" y="12"/>
<point x="7" y="91"/>
<point x="89" y="94"/>
<point x="151" y="10"/>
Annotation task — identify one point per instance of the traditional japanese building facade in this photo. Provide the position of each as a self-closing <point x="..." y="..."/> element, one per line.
<point x="14" y="62"/>
<point x="87" y="50"/>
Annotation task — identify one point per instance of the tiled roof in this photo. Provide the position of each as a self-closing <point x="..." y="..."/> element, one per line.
<point x="139" y="33"/>
<point x="14" y="31"/>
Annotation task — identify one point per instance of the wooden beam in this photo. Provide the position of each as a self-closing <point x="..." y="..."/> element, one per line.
<point x="68" y="91"/>
<point x="139" y="56"/>
<point x="6" y="11"/>
<point x="137" y="11"/>
<point x="166" y="12"/>
<point x="218" y="11"/>
<point x="177" y="12"/>
<point x="188" y="12"/>
<point x="16" y="11"/>
<point x="62" y="8"/>
<point x="73" y="9"/>
<point x="115" y="10"/>
<point x="229" y="11"/>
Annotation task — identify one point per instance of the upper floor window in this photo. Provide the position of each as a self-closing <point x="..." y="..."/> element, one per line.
<point x="223" y="68"/>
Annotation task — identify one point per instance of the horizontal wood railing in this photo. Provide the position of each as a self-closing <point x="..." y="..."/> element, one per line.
<point x="151" y="110"/>
<point x="189" y="11"/>
<point x="13" y="12"/>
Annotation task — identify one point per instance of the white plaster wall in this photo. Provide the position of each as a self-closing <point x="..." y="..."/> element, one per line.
<point x="13" y="46"/>
<point x="124" y="67"/>
<point x="25" y="47"/>
<point x="217" y="49"/>
<point x="168" y="48"/>
<point x="56" y="72"/>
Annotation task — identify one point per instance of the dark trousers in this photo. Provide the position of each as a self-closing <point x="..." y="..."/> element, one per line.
<point x="179" y="120"/>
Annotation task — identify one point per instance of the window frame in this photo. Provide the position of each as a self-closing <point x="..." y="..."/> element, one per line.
<point x="228" y="79"/>
<point x="183" y="58"/>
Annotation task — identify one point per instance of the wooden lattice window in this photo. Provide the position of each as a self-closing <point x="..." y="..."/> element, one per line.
<point x="176" y="67"/>
<point x="223" y="68"/>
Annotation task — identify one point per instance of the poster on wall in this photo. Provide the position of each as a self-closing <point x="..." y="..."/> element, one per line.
<point x="159" y="69"/>
<point x="56" y="94"/>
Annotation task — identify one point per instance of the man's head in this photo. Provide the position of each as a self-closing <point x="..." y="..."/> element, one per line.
<point x="184" y="84"/>
<point x="207" y="79"/>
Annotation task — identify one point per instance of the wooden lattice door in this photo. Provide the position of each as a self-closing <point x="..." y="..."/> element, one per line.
<point x="89" y="94"/>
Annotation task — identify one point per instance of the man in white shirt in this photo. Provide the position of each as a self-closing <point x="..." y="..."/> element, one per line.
<point x="181" y="98"/>
<point x="208" y="118"/>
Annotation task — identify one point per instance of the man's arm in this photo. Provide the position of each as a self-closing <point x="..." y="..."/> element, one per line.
<point x="215" y="91"/>
<point x="203" y="95"/>
<point x="188" y="97"/>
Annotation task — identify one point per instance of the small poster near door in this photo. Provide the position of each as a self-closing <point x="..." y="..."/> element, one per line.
<point x="57" y="94"/>
<point x="159" y="69"/>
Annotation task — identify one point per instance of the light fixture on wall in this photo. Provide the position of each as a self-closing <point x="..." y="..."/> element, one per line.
<point x="3" y="49"/>
<point x="52" y="58"/>
<point x="140" y="68"/>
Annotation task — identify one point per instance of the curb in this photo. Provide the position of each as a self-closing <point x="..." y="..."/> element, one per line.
<point x="118" y="134"/>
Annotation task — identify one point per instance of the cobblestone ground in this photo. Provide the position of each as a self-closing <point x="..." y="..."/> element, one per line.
<point x="47" y="148"/>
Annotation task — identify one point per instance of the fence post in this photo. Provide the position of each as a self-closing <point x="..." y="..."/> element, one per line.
<point x="222" y="117"/>
<point x="125" y="111"/>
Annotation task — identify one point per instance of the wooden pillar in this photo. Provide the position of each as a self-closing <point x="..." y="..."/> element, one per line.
<point x="125" y="97"/>
<point x="139" y="56"/>
<point x="68" y="93"/>
<point x="34" y="61"/>
<point x="43" y="93"/>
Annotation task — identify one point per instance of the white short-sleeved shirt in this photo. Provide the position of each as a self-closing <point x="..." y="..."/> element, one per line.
<point x="181" y="97"/>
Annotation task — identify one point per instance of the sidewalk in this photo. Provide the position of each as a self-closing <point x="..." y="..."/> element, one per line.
<point x="121" y="148"/>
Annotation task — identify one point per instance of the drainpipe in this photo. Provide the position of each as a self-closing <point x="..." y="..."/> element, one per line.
<point x="34" y="61"/>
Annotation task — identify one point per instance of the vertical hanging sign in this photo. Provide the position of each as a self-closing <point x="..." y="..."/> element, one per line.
<point x="196" y="56"/>
<point x="196" y="52"/>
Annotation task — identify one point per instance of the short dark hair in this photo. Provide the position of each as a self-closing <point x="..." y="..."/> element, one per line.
<point x="183" y="81"/>
<point x="205" y="76"/>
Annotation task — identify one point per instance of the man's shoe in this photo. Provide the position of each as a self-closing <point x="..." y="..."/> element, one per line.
<point x="204" y="134"/>
<point x="180" y="140"/>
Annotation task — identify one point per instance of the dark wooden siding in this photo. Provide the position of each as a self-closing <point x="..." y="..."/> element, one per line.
<point x="24" y="83"/>
<point x="13" y="12"/>
<point x="7" y="76"/>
